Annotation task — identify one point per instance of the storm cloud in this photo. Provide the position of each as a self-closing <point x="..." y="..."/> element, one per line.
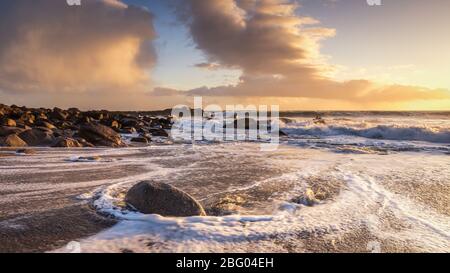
<point x="49" y="47"/>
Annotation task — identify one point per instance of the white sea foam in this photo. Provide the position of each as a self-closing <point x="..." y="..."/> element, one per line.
<point x="362" y="204"/>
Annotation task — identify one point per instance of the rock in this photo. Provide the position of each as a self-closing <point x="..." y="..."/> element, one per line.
<point x="282" y="134"/>
<point x="140" y="140"/>
<point x="228" y="205"/>
<point x="319" y="120"/>
<point x="130" y="122"/>
<point x="43" y="123"/>
<point x="287" y="120"/>
<point x="158" y="198"/>
<point x="58" y="114"/>
<point x="66" y="142"/>
<point x="84" y="142"/>
<point x="26" y="152"/>
<point x="9" y="122"/>
<point x="6" y="131"/>
<point x="308" y="199"/>
<point x="37" y="137"/>
<point x="115" y="124"/>
<point x="244" y="124"/>
<point x="85" y="159"/>
<point x="158" y="132"/>
<point x="100" y="135"/>
<point x="128" y="131"/>
<point x="13" y="141"/>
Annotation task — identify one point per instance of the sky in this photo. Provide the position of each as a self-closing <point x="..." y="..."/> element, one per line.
<point x="155" y="54"/>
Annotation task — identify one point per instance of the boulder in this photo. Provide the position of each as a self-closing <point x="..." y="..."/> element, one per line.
<point x="100" y="135"/>
<point x="37" y="137"/>
<point x="43" y="123"/>
<point x="58" y="114"/>
<point x="9" y="122"/>
<point x="12" y="141"/>
<point x="115" y="124"/>
<point x="140" y="140"/>
<point x="6" y="131"/>
<point x="158" y="198"/>
<point x="84" y="143"/>
<point x="66" y="142"/>
<point x="308" y="199"/>
<point x="159" y="132"/>
<point x="128" y="131"/>
<point x="26" y="152"/>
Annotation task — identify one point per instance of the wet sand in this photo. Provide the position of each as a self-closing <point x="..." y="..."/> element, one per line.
<point x="46" y="199"/>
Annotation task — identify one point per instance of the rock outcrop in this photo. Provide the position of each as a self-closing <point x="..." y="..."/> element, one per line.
<point x="100" y="135"/>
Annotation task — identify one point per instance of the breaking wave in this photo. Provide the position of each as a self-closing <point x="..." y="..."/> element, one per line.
<point x="386" y="132"/>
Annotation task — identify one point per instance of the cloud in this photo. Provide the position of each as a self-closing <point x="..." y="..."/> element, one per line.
<point x="208" y="66"/>
<point x="278" y="52"/>
<point x="49" y="47"/>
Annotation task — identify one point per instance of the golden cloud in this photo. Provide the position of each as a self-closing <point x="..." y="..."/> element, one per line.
<point x="278" y="52"/>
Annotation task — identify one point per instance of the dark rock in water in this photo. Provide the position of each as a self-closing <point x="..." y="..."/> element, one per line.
<point x="37" y="137"/>
<point x="100" y="135"/>
<point x="129" y="131"/>
<point x="158" y="132"/>
<point x="308" y="199"/>
<point x="12" y="141"/>
<point x="164" y="123"/>
<point x="130" y="122"/>
<point x="319" y="120"/>
<point x="140" y="140"/>
<point x="88" y="158"/>
<point x="158" y="198"/>
<point x="26" y="152"/>
<point x="228" y="205"/>
<point x="287" y="120"/>
<point x="8" y="122"/>
<point x="281" y="133"/>
<point x="6" y="131"/>
<point x="115" y="124"/>
<point x="66" y="142"/>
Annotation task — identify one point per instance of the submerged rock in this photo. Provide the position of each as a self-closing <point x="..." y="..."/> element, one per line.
<point x="26" y="152"/>
<point x="158" y="198"/>
<point x="158" y="132"/>
<point x="308" y="199"/>
<point x="140" y="140"/>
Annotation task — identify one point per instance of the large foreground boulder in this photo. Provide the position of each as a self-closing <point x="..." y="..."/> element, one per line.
<point x="158" y="198"/>
<point x="100" y="135"/>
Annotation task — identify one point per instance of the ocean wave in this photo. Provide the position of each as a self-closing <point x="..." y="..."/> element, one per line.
<point x="386" y="132"/>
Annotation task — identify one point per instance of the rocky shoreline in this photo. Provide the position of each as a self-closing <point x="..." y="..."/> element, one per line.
<point x="73" y="128"/>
